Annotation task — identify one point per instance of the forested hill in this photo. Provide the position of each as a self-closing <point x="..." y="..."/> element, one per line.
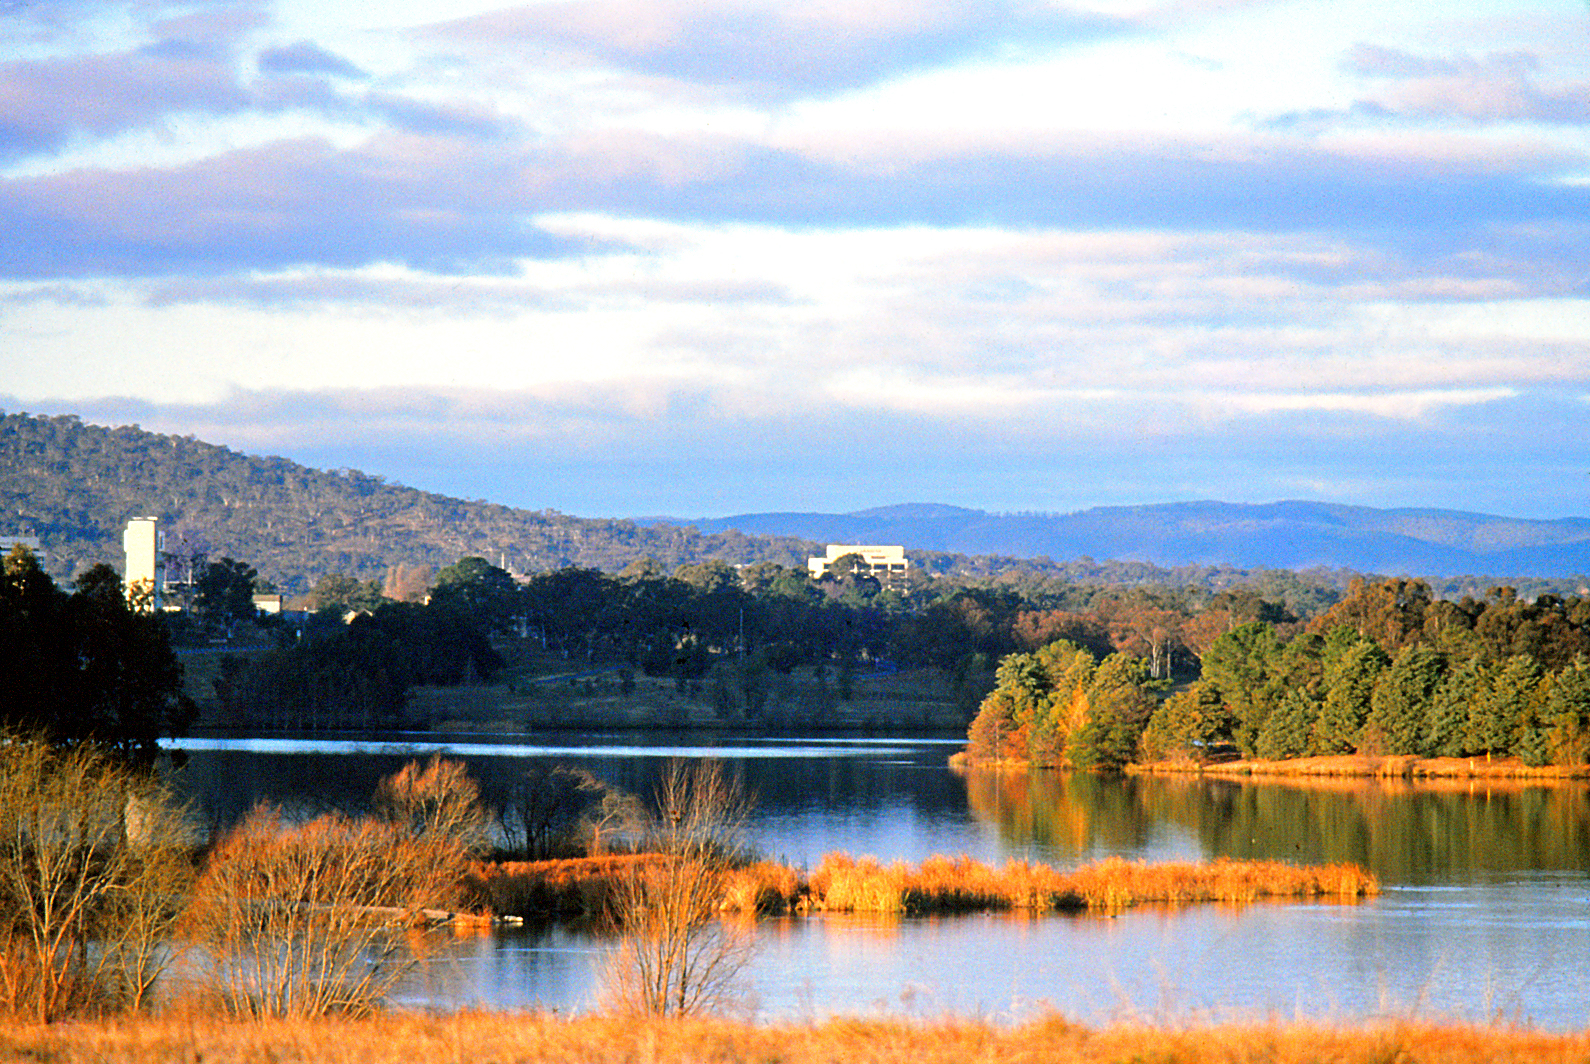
<point x="74" y="485"/>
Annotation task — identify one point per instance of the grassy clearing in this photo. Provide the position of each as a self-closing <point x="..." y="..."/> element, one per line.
<point x="408" y="1038"/>
<point x="842" y="883"/>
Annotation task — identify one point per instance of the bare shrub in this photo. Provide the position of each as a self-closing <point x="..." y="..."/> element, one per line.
<point x="309" y="919"/>
<point x="436" y="801"/>
<point x="93" y="859"/>
<point x="555" y="810"/>
<point x="675" y="957"/>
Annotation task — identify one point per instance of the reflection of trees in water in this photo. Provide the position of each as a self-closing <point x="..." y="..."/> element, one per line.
<point x="1072" y="812"/>
<point x="1402" y="833"/>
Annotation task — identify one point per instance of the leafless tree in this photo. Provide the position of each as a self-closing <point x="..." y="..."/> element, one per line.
<point x="675" y="956"/>
<point x="306" y="919"/>
<point x="93" y="858"/>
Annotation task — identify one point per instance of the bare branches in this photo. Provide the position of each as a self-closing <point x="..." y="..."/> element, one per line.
<point x="676" y="957"/>
<point x="307" y="919"/>
<point x="91" y="859"/>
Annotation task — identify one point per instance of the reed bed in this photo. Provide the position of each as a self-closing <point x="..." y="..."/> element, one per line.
<point x="579" y="886"/>
<point x="842" y="883"/>
<point x="404" y="1038"/>
<point x="940" y="884"/>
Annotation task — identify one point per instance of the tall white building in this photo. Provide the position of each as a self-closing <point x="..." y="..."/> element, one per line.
<point x="144" y="575"/>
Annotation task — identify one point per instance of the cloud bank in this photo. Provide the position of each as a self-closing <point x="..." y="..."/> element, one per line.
<point x="638" y="256"/>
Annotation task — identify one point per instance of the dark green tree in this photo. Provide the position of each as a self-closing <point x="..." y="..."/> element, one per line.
<point x="1501" y="706"/>
<point x="1350" y="677"/>
<point x="84" y="667"/>
<point x="1289" y="730"/>
<point x="225" y="591"/>
<point x="1401" y="700"/>
<point x="343" y="594"/>
<point x="1241" y="665"/>
<point x="1446" y="721"/>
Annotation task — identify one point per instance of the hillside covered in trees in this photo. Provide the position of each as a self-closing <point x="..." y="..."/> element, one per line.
<point x="74" y="485"/>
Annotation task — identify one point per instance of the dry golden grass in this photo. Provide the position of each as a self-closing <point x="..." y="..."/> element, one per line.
<point x="571" y="887"/>
<point x="478" y="1038"/>
<point x="1361" y="767"/>
<point x="941" y="884"/>
<point x="842" y="883"/>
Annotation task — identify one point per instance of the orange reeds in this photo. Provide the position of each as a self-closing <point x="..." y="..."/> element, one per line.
<point x="763" y="887"/>
<point x="579" y="886"/>
<point x="842" y="883"/>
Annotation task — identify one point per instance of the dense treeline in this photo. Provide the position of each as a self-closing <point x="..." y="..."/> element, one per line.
<point x="1388" y="670"/>
<point x="83" y="667"/>
<point x="718" y="631"/>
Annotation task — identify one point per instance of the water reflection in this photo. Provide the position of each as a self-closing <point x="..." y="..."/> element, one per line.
<point x="1414" y="834"/>
<point x="1487" y="911"/>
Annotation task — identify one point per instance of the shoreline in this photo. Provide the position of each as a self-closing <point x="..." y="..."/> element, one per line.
<point x="1363" y="767"/>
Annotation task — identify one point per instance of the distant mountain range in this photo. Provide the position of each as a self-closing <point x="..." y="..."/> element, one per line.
<point x="1281" y="535"/>
<point x="74" y="485"/>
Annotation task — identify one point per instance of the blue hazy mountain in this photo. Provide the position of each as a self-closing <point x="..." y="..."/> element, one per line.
<point x="1280" y="535"/>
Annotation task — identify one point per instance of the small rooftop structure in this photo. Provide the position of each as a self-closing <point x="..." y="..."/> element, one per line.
<point x="882" y="562"/>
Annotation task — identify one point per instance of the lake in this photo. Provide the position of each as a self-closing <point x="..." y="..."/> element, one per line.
<point x="1485" y="912"/>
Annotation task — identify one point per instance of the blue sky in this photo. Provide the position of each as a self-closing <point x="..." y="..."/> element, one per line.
<point x="700" y="257"/>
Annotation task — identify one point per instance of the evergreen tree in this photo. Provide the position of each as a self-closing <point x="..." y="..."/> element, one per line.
<point x="1446" y="722"/>
<point x="1349" y="685"/>
<point x="1568" y="713"/>
<point x="1500" y="707"/>
<point x="1289" y="731"/>
<point x="84" y="667"/>
<point x="1241" y="665"/>
<point x="1401" y="699"/>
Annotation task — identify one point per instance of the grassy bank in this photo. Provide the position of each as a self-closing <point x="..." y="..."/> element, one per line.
<point x="409" y="1038"/>
<point x="841" y="883"/>
<point x="1365" y="766"/>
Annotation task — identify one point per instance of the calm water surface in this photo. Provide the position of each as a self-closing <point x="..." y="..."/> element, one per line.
<point x="1486" y="911"/>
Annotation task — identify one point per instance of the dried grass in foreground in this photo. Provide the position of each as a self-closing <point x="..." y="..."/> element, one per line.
<point x="530" y="1039"/>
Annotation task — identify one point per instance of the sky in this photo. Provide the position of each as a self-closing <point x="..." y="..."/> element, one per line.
<point x="706" y="257"/>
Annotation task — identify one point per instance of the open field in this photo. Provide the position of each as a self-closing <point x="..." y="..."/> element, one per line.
<point x="841" y="883"/>
<point x="480" y="1038"/>
<point x="910" y="700"/>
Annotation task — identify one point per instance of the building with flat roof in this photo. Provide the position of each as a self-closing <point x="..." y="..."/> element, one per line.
<point x="881" y="562"/>
<point x="30" y="542"/>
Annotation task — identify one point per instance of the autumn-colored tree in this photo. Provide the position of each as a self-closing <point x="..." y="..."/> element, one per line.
<point x="1187" y="724"/>
<point x="1391" y="613"/>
